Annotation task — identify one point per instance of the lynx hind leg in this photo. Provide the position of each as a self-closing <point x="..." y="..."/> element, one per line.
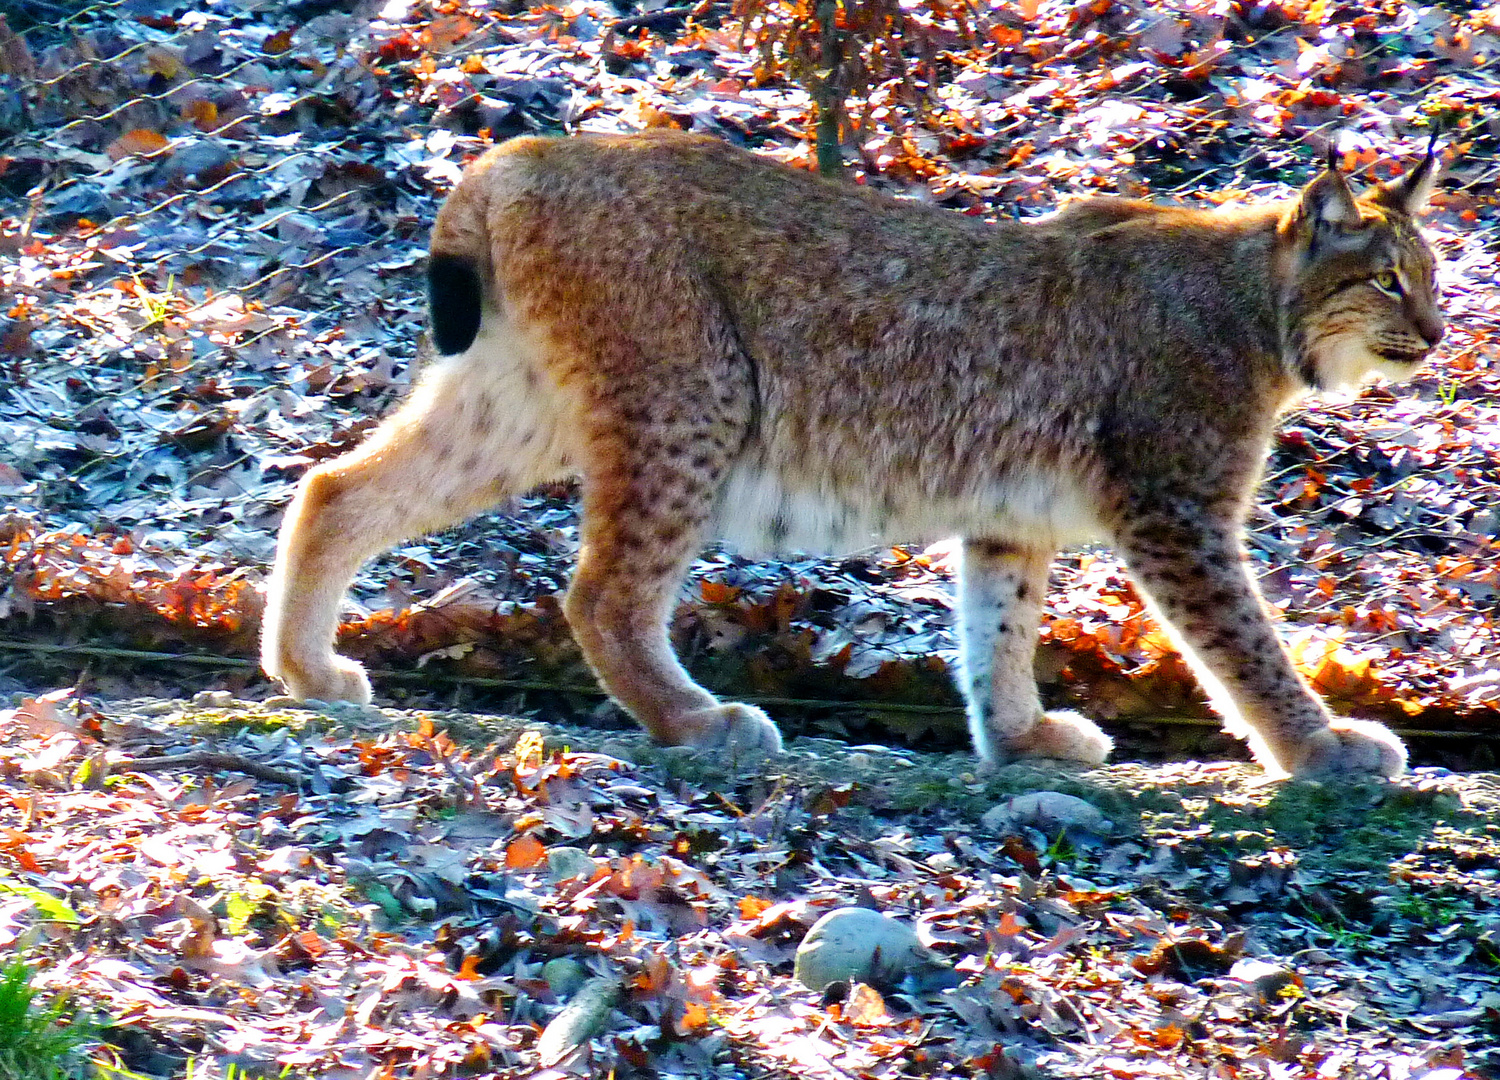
<point x="1196" y="579"/>
<point x="646" y="501"/>
<point x="475" y="430"/>
<point x="1001" y="588"/>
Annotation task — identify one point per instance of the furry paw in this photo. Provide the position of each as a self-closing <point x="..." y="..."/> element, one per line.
<point x="1350" y="746"/>
<point x="734" y="727"/>
<point x="1068" y="736"/>
<point x="341" y="679"/>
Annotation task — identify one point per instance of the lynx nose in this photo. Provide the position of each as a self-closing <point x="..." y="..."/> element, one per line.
<point x="1431" y="329"/>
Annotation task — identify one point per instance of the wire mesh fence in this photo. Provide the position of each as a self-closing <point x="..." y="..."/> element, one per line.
<point x="213" y="217"/>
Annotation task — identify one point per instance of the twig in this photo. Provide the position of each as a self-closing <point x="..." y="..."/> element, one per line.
<point x="468" y="787"/>
<point x="655" y="20"/>
<point x="652" y="20"/>
<point x="212" y="759"/>
<point x="109" y="651"/>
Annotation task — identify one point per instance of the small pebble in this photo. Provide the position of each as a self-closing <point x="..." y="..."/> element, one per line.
<point x="564" y="863"/>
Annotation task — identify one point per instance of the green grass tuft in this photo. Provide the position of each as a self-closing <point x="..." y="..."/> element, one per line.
<point x="33" y="1044"/>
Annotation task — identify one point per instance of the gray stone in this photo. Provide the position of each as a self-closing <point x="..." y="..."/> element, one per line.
<point x="564" y="976"/>
<point x="1050" y="811"/>
<point x="856" y="944"/>
<point x="565" y="862"/>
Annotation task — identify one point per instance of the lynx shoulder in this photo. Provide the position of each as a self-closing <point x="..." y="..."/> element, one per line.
<point x="721" y="347"/>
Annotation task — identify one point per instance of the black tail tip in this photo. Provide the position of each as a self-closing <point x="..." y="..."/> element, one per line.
<point x="455" y="299"/>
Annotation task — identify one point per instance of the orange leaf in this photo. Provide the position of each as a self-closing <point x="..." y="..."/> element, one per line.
<point x="311" y="944"/>
<point x="656" y="118"/>
<point x="524" y="852"/>
<point x="204" y="115"/>
<point x="694" y="1018"/>
<point x="444" y="33"/>
<point x="751" y="906"/>
<point x="655" y="974"/>
<point x="138" y="141"/>
<point x="866" y="1007"/>
<point x="716" y="592"/>
<point x="1165" y="1037"/>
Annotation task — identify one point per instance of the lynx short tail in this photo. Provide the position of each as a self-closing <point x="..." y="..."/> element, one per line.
<point x="455" y="298"/>
<point x="459" y="270"/>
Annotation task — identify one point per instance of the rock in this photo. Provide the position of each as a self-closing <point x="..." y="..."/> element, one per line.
<point x="564" y="976"/>
<point x="1050" y="811"/>
<point x="585" y="1016"/>
<point x="347" y="712"/>
<point x="856" y="944"/>
<point x="565" y="862"/>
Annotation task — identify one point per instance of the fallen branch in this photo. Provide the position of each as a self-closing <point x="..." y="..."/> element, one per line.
<point x="656" y="20"/>
<point x="653" y="20"/>
<point x="468" y="787"/>
<point x="211" y="759"/>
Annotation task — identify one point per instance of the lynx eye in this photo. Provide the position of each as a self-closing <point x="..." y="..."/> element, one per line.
<point x="1387" y="282"/>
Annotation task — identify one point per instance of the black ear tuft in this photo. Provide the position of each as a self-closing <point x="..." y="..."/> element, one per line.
<point x="1410" y="193"/>
<point x="455" y="301"/>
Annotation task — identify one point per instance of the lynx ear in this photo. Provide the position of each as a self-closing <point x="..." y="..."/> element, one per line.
<point x="1410" y="193"/>
<point x="1327" y="201"/>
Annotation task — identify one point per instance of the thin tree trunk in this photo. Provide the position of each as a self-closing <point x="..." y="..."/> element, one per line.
<point x="830" y="92"/>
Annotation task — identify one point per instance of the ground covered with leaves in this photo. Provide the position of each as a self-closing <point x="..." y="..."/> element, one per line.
<point x="378" y="899"/>
<point x="213" y="217"/>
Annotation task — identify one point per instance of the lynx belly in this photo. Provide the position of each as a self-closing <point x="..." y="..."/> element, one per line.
<point x="760" y="513"/>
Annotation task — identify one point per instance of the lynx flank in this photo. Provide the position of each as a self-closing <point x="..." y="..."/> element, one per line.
<point x="721" y="347"/>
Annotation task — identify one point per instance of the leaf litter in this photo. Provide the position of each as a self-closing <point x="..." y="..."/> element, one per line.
<point x="414" y="904"/>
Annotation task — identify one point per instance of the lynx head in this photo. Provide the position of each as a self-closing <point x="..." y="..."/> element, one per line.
<point x="1359" y="295"/>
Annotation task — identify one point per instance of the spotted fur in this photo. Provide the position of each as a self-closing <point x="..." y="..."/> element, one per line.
<point x="721" y="346"/>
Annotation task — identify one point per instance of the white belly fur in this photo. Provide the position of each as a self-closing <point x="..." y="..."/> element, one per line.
<point x="759" y="514"/>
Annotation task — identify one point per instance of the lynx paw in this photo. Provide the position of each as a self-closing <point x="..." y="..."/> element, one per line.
<point x="733" y="727"/>
<point x="1065" y="735"/>
<point x="340" y="680"/>
<point x="1350" y="746"/>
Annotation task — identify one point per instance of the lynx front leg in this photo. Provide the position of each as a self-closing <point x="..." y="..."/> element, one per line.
<point x="1000" y="592"/>
<point x="1194" y="572"/>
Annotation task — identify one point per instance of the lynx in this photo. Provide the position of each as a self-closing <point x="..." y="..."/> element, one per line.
<point x="719" y="346"/>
